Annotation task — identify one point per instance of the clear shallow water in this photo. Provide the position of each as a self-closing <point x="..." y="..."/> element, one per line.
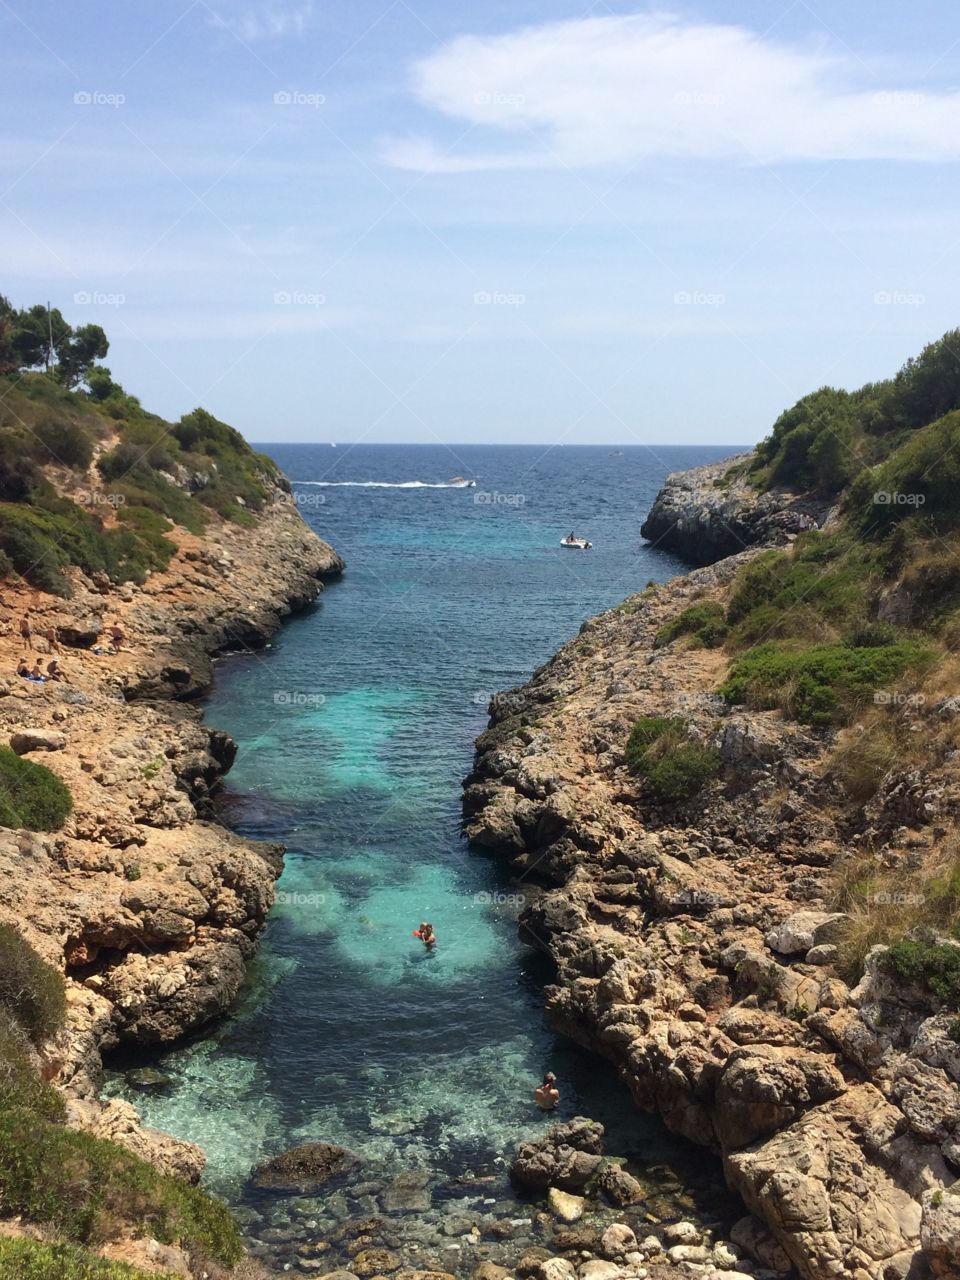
<point x="355" y="729"/>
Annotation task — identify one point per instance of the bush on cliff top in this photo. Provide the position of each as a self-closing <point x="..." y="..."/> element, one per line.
<point x="929" y="963"/>
<point x="34" y="1260"/>
<point x="704" y="622"/>
<point x="31" y="795"/>
<point x="673" y="766"/>
<point x="822" y="684"/>
<point x="31" y="991"/>
<point x="90" y="1190"/>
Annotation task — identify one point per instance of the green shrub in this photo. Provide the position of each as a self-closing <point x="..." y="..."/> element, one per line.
<point x="89" y="1189"/>
<point x="646" y="731"/>
<point x="823" y="684"/>
<point x="922" y="478"/>
<point x="64" y="441"/>
<point x="705" y="622"/>
<point x="31" y="991"/>
<point x="933" y="965"/>
<point x="31" y="795"/>
<point x="20" y="1084"/>
<point x="672" y="765"/>
<point x="680" y="772"/>
<point x="33" y="1260"/>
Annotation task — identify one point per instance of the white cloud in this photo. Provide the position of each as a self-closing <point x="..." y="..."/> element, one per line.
<point x="622" y="89"/>
<point x="267" y="21"/>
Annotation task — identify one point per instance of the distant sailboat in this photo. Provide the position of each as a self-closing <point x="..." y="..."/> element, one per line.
<point x="333" y="444"/>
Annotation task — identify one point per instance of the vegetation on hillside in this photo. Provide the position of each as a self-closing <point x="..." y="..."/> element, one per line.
<point x="37" y="1260"/>
<point x="31" y="795"/>
<point x="855" y="629"/>
<point x="85" y="1189"/>
<point x="827" y="438"/>
<point x="89" y="478"/>
<point x="673" y="765"/>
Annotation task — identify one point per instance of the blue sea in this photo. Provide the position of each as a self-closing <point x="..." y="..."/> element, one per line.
<point x="355" y="729"/>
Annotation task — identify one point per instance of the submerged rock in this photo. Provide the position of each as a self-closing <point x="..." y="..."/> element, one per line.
<point x="305" y="1168"/>
<point x="563" y="1205"/>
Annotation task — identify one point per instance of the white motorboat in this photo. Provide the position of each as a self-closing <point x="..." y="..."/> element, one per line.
<point x="458" y="482"/>
<point x="577" y="544"/>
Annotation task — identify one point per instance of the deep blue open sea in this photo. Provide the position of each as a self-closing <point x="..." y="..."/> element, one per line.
<point x="355" y="730"/>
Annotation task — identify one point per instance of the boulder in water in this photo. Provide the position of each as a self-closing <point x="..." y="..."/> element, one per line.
<point x="305" y="1168"/>
<point x="566" y="1158"/>
<point x="563" y="1205"/>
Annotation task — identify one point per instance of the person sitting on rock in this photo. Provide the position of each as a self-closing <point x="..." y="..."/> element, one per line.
<point x="23" y="668"/>
<point x="37" y="673"/>
<point x="547" y="1094"/>
<point x="54" y="671"/>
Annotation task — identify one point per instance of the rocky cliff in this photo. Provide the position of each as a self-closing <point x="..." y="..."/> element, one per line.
<point x="148" y="904"/>
<point x="695" y="943"/>
<point x="712" y="511"/>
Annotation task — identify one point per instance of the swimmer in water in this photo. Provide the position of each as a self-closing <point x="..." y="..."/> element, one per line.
<point x="427" y="935"/>
<point x="547" y="1094"/>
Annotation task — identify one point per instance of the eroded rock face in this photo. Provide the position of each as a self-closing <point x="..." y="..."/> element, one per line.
<point x="711" y="512"/>
<point x="695" y="947"/>
<point x="152" y="910"/>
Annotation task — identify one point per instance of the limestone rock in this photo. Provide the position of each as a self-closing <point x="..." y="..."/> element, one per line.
<point x="804" y="930"/>
<point x="304" y="1169"/>
<point x="23" y="741"/>
<point x="617" y="1241"/>
<point x="563" y="1205"/>
<point x="940" y="1232"/>
<point x="566" y="1158"/>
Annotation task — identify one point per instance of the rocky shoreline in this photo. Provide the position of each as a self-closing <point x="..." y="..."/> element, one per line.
<point x="694" y="944"/>
<point x="711" y="512"/>
<point x="149" y="905"/>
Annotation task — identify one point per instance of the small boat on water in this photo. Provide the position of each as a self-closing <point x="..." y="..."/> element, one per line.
<point x="458" y="482"/>
<point x="578" y="544"/>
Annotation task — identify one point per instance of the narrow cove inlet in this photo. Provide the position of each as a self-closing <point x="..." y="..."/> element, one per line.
<point x="355" y="730"/>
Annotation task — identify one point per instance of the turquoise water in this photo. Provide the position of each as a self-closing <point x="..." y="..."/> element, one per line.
<point x="355" y="730"/>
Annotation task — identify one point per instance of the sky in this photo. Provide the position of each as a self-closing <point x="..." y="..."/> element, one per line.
<point x="382" y="220"/>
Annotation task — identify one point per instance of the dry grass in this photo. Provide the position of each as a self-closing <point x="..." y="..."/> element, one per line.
<point x="886" y="903"/>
